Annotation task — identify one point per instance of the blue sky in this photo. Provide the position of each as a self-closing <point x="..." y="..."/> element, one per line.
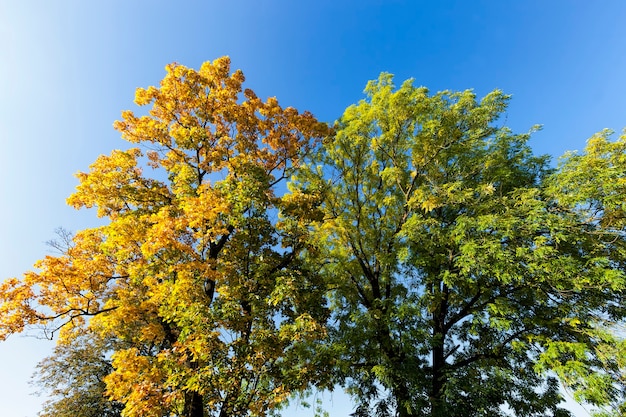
<point x="68" y="68"/>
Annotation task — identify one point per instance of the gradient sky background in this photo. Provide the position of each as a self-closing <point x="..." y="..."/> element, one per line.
<point x="68" y="68"/>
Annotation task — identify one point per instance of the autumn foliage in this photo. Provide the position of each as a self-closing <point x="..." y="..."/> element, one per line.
<point x="196" y="274"/>
<point x="417" y="253"/>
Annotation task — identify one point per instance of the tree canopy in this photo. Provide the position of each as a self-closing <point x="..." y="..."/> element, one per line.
<point x="467" y="273"/>
<point x="196" y="274"/>
<point x="418" y="254"/>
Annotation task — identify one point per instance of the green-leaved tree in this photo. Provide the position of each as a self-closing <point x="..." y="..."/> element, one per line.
<point x="467" y="277"/>
<point x="73" y="377"/>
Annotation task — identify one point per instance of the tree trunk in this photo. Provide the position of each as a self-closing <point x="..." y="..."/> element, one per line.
<point x="437" y="401"/>
<point x="439" y="381"/>
<point x="194" y="405"/>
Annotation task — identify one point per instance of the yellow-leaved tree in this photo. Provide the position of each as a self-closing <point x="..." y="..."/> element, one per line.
<point x="196" y="275"/>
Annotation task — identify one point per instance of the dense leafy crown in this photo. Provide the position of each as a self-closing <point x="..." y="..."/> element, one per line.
<point x="467" y="273"/>
<point x="196" y="274"/>
<point x="417" y="254"/>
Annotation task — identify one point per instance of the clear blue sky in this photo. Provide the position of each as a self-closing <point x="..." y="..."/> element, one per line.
<point x="68" y="68"/>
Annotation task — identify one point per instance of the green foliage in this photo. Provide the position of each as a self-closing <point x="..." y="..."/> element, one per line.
<point x="73" y="376"/>
<point x="464" y="271"/>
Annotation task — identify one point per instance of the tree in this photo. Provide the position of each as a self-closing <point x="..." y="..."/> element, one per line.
<point x="590" y="188"/>
<point x="74" y="377"/>
<point x="466" y="275"/>
<point x="197" y="274"/>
